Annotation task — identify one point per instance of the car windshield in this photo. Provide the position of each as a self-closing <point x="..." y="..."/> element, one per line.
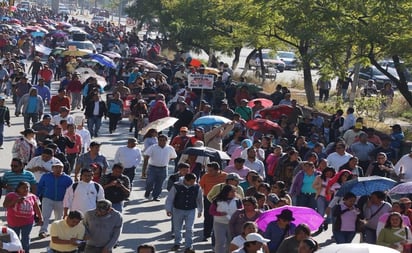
<point x="377" y="72"/>
<point x="286" y="55"/>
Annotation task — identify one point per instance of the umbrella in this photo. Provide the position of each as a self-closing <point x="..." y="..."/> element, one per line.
<point x="404" y="188"/>
<point x="32" y="28"/>
<point x="112" y="55"/>
<point x="301" y="214"/>
<point x="85" y="73"/>
<point x="146" y="64"/>
<point x="356" y="248"/>
<point x="212" y="71"/>
<point x="37" y="34"/>
<point x="103" y="60"/>
<point x="195" y="63"/>
<point x="57" y="34"/>
<point x="265" y="102"/>
<point x="276" y="111"/>
<point x="366" y="185"/>
<point x="214" y="154"/>
<point x="64" y="24"/>
<point x="210" y="120"/>
<point x="160" y="124"/>
<point x="14" y="21"/>
<point x="75" y="53"/>
<point x="264" y="126"/>
<point x="57" y="50"/>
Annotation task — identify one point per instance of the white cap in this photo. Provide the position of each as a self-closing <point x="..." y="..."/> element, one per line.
<point x="255" y="237"/>
<point x="58" y="163"/>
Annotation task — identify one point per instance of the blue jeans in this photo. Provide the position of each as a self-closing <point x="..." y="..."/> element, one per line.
<point x="307" y="200"/>
<point x="1" y="134"/>
<point x="322" y="204"/>
<point x="118" y="206"/>
<point x="155" y="178"/>
<point x="34" y="117"/>
<point x="25" y="235"/>
<point x="93" y="124"/>
<point x="188" y="217"/>
<point x="344" y="236"/>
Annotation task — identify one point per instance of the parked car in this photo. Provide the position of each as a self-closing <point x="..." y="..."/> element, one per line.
<point x="371" y="72"/>
<point x="87" y="45"/>
<point x="289" y="58"/>
<point x="63" y="11"/>
<point x="98" y="20"/>
<point x="270" y="60"/>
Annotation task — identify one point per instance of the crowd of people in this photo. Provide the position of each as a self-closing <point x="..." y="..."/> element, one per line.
<point x="57" y="165"/>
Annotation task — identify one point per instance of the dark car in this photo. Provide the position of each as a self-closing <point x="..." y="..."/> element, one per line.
<point x="371" y="72"/>
<point x="103" y="13"/>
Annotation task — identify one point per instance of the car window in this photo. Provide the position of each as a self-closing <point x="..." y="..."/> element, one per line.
<point x="286" y="55"/>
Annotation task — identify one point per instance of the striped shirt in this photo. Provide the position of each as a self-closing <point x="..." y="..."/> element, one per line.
<point x="12" y="179"/>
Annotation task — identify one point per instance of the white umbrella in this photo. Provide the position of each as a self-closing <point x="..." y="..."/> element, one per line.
<point x="404" y="188"/>
<point x="356" y="248"/>
<point x="159" y="124"/>
<point x="85" y="73"/>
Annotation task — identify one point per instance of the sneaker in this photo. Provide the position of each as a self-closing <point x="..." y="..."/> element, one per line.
<point x="189" y="250"/>
<point x="42" y="235"/>
<point x="175" y="247"/>
<point x="156" y="199"/>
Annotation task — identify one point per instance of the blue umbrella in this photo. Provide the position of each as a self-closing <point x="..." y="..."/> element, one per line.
<point x="37" y="34"/>
<point x="104" y="60"/>
<point x="210" y="120"/>
<point x="366" y="185"/>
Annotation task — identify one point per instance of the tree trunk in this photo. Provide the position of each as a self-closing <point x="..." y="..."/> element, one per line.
<point x="354" y="86"/>
<point x="307" y="81"/>
<point x="262" y="65"/>
<point x="235" y="61"/>
<point x="247" y="65"/>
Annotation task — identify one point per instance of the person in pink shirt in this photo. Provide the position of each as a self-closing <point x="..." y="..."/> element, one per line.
<point x="21" y="206"/>
<point x="159" y="109"/>
<point x="73" y="153"/>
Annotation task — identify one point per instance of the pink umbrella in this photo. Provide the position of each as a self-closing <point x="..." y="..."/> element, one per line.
<point x="301" y="214"/>
<point x="265" y="102"/>
<point x="14" y="21"/>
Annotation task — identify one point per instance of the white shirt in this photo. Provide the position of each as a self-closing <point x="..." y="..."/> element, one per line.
<point x="86" y="138"/>
<point x="336" y="161"/>
<point x="160" y="157"/>
<point x="406" y="163"/>
<point x="84" y="197"/>
<point x="349" y="122"/>
<point x="57" y="118"/>
<point x="257" y="166"/>
<point x="14" y="245"/>
<point x="96" y="108"/>
<point x="129" y="157"/>
<point x="37" y="161"/>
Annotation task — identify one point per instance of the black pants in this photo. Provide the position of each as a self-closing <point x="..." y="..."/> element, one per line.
<point x="208" y="221"/>
<point x="114" y="118"/>
<point x="323" y="93"/>
<point x="130" y="173"/>
<point x="71" y="158"/>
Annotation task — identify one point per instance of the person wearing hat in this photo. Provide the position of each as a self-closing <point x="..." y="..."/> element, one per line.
<point x="370" y="89"/>
<point x="254" y="243"/>
<point x="67" y="234"/>
<point x="122" y="89"/>
<point x="4" y="119"/>
<point x="244" y="110"/>
<point x="25" y="146"/>
<point x="43" y="91"/>
<point x="93" y="156"/>
<point x="239" y="168"/>
<point x="181" y="73"/>
<point x="103" y="226"/>
<point x="278" y="230"/>
<point x="59" y="100"/>
<point x="179" y="143"/>
<point x="233" y="179"/>
<point x="130" y="157"/>
<point x="64" y="114"/>
<point x="52" y="196"/>
<point x="31" y="106"/>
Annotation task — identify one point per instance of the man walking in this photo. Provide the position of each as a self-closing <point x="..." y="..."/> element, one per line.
<point x="116" y="187"/>
<point x="95" y="110"/>
<point x="66" y="234"/>
<point x="159" y="156"/>
<point x="31" y="106"/>
<point x="129" y="156"/>
<point x="181" y="203"/>
<point x="4" y="119"/>
<point x="51" y="188"/>
<point x="103" y="228"/>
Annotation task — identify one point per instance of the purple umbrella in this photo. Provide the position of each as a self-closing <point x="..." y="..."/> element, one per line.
<point x="301" y="214"/>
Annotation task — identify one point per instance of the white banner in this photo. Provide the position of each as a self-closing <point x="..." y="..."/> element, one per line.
<point x="200" y="81"/>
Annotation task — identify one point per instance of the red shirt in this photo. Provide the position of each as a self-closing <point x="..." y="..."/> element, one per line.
<point x="56" y="102"/>
<point x="74" y="86"/>
<point x="46" y="74"/>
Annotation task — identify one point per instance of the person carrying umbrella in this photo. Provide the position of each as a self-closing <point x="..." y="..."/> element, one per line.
<point x="278" y="230"/>
<point x="214" y="137"/>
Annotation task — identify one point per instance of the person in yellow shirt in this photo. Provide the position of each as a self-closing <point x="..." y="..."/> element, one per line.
<point x="67" y="234"/>
<point x="232" y="179"/>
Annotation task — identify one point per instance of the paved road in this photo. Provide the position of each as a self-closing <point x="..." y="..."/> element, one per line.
<point x="144" y="221"/>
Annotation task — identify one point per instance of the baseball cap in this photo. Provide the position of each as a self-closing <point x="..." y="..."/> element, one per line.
<point x="57" y="162"/>
<point x="255" y="237"/>
<point x="95" y="143"/>
<point x="233" y="176"/>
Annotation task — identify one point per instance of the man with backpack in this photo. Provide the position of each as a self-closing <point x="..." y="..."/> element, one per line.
<point x="83" y="195"/>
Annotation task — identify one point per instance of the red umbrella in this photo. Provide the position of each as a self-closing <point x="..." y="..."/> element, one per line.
<point x="195" y="63"/>
<point x="264" y="126"/>
<point x="265" y="102"/>
<point x="276" y="111"/>
<point x="14" y="21"/>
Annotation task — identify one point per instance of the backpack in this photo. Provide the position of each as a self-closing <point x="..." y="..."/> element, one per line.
<point x="96" y="186"/>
